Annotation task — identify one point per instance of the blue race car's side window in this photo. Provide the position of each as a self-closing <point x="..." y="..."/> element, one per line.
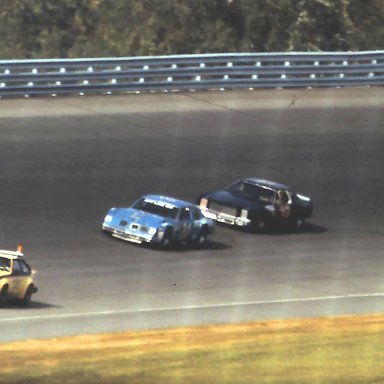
<point x="185" y="214"/>
<point x="196" y="214"/>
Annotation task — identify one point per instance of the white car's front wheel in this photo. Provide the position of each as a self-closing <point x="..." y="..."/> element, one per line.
<point x="26" y="300"/>
<point x="3" y="296"/>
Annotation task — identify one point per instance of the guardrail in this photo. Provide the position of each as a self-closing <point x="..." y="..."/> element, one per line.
<point x="190" y="72"/>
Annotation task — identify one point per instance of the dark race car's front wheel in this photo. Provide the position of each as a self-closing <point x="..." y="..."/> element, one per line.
<point x="258" y="225"/>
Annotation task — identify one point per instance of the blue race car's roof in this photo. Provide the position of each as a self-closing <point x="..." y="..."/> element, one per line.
<point x="265" y="183"/>
<point x="168" y="200"/>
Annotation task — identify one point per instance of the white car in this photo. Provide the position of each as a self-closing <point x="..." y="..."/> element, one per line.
<point x="16" y="278"/>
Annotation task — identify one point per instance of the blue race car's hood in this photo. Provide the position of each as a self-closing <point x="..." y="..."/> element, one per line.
<point x="130" y="215"/>
<point x="231" y="200"/>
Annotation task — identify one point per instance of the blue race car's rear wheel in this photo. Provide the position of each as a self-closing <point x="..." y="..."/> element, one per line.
<point x="202" y="237"/>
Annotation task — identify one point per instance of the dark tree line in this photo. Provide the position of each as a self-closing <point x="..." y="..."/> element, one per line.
<point x="96" y="28"/>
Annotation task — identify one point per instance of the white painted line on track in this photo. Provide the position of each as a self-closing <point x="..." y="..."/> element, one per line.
<point x="190" y="307"/>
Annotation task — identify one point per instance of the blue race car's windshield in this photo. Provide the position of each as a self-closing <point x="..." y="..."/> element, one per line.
<point x="158" y="208"/>
<point x="252" y="191"/>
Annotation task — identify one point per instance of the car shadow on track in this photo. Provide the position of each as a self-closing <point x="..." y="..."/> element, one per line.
<point x="313" y="228"/>
<point x="283" y="230"/>
<point x="33" y="305"/>
<point x="308" y="228"/>
<point x="210" y="245"/>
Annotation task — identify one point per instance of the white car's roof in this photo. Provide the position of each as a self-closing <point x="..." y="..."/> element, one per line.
<point x="10" y="254"/>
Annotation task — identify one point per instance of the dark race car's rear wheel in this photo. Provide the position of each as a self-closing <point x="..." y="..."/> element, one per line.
<point x="297" y="224"/>
<point x="294" y="223"/>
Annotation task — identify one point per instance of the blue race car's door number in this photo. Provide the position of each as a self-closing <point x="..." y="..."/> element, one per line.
<point x="185" y="224"/>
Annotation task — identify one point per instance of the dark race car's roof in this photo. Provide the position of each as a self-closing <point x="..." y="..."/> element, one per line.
<point x="264" y="183"/>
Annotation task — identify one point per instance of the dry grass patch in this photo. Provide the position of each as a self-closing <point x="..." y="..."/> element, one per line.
<point x="330" y="350"/>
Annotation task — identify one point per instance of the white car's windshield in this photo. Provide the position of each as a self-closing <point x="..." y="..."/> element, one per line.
<point x="156" y="207"/>
<point x="5" y="264"/>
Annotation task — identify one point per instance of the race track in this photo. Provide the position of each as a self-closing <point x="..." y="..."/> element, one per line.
<point x="66" y="161"/>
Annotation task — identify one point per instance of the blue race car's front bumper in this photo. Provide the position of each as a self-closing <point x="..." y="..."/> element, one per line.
<point x="133" y="236"/>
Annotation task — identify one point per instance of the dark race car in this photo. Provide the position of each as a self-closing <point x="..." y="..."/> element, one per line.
<point x="257" y="204"/>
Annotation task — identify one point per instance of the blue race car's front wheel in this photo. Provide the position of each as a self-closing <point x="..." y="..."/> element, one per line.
<point x="167" y="238"/>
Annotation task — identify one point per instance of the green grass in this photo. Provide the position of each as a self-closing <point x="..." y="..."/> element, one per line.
<point x="342" y="350"/>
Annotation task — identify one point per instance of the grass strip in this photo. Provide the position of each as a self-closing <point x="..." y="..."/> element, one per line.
<point x="325" y="350"/>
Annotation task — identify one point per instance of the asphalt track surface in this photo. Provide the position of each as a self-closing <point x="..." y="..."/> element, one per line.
<point x="66" y="161"/>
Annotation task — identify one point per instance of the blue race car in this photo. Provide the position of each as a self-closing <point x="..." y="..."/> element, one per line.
<point x="159" y="220"/>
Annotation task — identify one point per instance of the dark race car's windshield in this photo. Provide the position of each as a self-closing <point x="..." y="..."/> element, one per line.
<point x="252" y="191"/>
<point x="159" y="208"/>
